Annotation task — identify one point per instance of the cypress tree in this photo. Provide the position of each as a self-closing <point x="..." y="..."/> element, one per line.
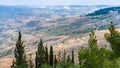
<point x="46" y="54"/>
<point x="40" y="55"/>
<point x="72" y="56"/>
<point x="64" y="56"/>
<point x="19" y="54"/>
<point x="51" y="56"/>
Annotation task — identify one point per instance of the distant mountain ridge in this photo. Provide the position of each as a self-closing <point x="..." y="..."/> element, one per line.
<point x="104" y="11"/>
<point x="45" y="11"/>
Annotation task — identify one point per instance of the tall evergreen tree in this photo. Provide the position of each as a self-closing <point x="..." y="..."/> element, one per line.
<point x="113" y="38"/>
<point x="19" y="54"/>
<point x="64" y="56"/>
<point x="72" y="60"/>
<point x="46" y="54"/>
<point x="93" y="56"/>
<point x="92" y="59"/>
<point x="40" y="55"/>
<point x="92" y="42"/>
<point x="51" y="56"/>
<point x="63" y="64"/>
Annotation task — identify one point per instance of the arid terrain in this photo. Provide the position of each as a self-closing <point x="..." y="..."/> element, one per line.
<point x="65" y="28"/>
<point x="66" y="43"/>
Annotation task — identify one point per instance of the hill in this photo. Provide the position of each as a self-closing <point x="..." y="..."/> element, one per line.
<point x="75" y="41"/>
<point x="64" y="27"/>
<point x="104" y="11"/>
<point x="53" y="28"/>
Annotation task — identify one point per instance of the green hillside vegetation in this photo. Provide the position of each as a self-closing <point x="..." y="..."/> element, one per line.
<point x="104" y="11"/>
<point x="91" y="57"/>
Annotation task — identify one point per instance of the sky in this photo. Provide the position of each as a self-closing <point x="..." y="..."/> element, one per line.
<point x="59" y="2"/>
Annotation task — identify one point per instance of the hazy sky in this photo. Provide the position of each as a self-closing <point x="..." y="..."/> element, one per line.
<point x="59" y="2"/>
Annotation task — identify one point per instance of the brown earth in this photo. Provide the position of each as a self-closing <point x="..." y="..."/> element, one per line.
<point x="63" y="43"/>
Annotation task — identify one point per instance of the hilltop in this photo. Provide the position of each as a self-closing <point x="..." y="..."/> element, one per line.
<point x="105" y="11"/>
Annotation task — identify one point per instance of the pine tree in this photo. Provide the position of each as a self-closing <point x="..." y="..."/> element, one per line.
<point x="82" y="56"/>
<point x="40" y="55"/>
<point x="51" y="56"/>
<point x="72" y="56"/>
<point x="113" y="38"/>
<point x="19" y="54"/>
<point x="92" y="59"/>
<point x="88" y="56"/>
<point x="92" y="42"/>
<point x="93" y="56"/>
<point x="112" y="29"/>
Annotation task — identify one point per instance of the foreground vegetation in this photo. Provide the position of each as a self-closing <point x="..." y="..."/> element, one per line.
<point x="91" y="57"/>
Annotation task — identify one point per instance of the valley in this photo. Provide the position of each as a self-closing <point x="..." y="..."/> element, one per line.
<point x="64" y="27"/>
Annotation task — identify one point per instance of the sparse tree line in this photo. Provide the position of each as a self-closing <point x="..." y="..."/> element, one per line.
<point x="91" y="57"/>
